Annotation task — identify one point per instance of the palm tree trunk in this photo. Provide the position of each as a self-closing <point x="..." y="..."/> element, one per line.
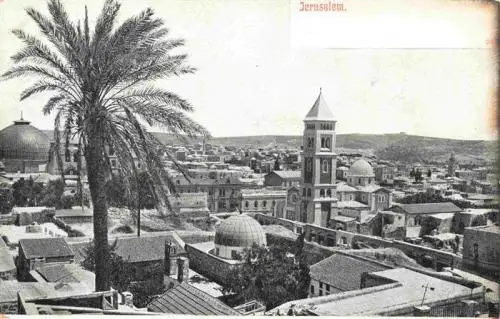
<point x="97" y="182"/>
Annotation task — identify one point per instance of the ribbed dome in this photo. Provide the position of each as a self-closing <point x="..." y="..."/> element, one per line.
<point x="361" y="168"/>
<point x="23" y="141"/>
<point x="240" y="231"/>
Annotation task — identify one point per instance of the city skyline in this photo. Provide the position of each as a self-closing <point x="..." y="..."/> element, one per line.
<point x="250" y="81"/>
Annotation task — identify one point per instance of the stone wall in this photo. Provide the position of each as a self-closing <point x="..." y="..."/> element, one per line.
<point x="208" y="265"/>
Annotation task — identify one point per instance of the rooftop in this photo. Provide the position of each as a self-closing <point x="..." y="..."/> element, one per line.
<point x="495" y="229"/>
<point x="351" y="204"/>
<point x="287" y="174"/>
<point x="146" y="248"/>
<point x="405" y="292"/>
<point x="185" y="299"/>
<point x="430" y="208"/>
<point x="320" y="111"/>
<point x="45" y="247"/>
<point x="343" y="272"/>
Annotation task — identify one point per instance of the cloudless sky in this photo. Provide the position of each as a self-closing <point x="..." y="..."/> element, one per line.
<point x="252" y="81"/>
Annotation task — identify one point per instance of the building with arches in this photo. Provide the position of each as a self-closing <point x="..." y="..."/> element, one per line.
<point x="319" y="164"/>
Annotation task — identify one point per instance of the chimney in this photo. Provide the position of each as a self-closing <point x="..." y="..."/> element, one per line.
<point x="168" y="258"/>
<point x="182" y="269"/>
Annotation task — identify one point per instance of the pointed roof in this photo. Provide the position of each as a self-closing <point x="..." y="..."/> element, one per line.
<point x="320" y="110"/>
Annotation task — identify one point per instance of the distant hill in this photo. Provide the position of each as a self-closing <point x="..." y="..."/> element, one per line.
<point x="402" y="147"/>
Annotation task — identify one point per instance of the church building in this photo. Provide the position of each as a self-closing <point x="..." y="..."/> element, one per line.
<point x="319" y="164"/>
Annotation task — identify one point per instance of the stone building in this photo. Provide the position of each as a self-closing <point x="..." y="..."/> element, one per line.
<point x="319" y="163"/>
<point x="265" y="200"/>
<point x="24" y="148"/>
<point x="36" y="253"/>
<point x="282" y="178"/>
<point x="215" y="260"/>
<point x="481" y="249"/>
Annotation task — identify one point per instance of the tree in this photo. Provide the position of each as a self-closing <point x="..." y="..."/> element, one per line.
<point x="6" y="200"/>
<point x="27" y="192"/>
<point x="52" y="193"/>
<point x="101" y="94"/>
<point x="273" y="275"/>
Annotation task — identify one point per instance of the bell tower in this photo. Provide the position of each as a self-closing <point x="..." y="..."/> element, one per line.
<point x="318" y="164"/>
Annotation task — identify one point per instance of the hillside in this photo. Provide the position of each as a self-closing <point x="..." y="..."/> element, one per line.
<point x="402" y="147"/>
<point x="410" y="148"/>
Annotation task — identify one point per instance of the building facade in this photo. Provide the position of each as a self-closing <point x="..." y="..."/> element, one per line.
<point x="319" y="164"/>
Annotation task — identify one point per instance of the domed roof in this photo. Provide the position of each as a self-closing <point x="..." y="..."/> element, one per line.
<point x="23" y="141"/>
<point x="361" y="168"/>
<point x="240" y="231"/>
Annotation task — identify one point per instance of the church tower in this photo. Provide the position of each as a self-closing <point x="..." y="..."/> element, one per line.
<point x="318" y="164"/>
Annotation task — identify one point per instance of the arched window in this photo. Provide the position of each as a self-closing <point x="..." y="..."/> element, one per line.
<point x="323" y="142"/>
<point x="359" y="180"/>
<point x="246" y="204"/>
<point x="264" y="203"/>
<point x="329" y="193"/>
<point x="321" y="193"/>
<point x="327" y="142"/>
<point x="256" y="204"/>
<point x="324" y="166"/>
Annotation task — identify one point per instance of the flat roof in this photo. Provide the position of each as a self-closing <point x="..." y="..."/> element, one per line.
<point x="408" y="294"/>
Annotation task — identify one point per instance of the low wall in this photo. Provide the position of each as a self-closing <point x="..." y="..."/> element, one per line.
<point x="210" y="266"/>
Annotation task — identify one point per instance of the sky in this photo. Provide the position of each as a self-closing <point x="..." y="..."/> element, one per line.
<point x="421" y="67"/>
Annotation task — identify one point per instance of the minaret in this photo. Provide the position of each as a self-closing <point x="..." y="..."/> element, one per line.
<point x="318" y="164"/>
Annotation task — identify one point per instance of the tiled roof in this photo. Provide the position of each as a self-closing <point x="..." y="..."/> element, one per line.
<point x="343" y="272"/>
<point x="430" y="208"/>
<point x="56" y="273"/>
<point x="288" y="174"/>
<point x="351" y="204"/>
<point x="184" y="299"/>
<point x="150" y="248"/>
<point x="45" y="247"/>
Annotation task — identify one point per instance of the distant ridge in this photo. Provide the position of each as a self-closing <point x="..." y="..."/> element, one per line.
<point x="391" y="146"/>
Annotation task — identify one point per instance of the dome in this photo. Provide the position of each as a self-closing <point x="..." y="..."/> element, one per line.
<point x="361" y="168"/>
<point x="23" y="141"/>
<point x="240" y="231"/>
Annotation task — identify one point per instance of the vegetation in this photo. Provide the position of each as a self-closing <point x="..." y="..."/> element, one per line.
<point x="101" y="89"/>
<point x="124" y="278"/>
<point x="6" y="200"/>
<point x="27" y="192"/>
<point x="272" y="275"/>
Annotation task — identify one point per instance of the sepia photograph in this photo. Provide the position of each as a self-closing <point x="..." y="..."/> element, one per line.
<point x="249" y="158"/>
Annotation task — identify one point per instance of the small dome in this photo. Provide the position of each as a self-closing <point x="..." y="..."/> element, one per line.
<point x="361" y="168"/>
<point x="240" y="231"/>
<point x="23" y="141"/>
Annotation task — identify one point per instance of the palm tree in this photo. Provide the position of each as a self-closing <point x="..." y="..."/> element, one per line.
<point x="103" y="97"/>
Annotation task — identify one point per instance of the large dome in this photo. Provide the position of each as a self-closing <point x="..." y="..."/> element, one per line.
<point x="24" y="142"/>
<point x="361" y="168"/>
<point x="240" y="231"/>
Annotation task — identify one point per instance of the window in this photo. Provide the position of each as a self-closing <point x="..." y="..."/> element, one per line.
<point x="324" y="166"/>
<point x="327" y="288"/>
<point x="309" y="192"/>
<point x="256" y="204"/>
<point x="359" y="180"/>
<point x="321" y="193"/>
<point x="304" y="192"/>
<point x="234" y="254"/>
<point x="75" y="157"/>
<point x="312" y="290"/>
<point x="329" y="193"/>
<point x="274" y="203"/>
<point x="321" y="292"/>
<point x="369" y="181"/>
<point x="264" y="203"/>
<point x="67" y="156"/>
<point x="217" y="251"/>
<point x="111" y="151"/>
<point x="113" y="163"/>
<point x="320" y="285"/>
<point x="327" y="142"/>
<point x="246" y="204"/>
